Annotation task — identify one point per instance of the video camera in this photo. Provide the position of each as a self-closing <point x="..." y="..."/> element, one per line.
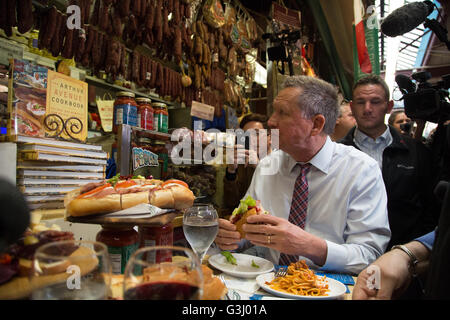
<point x="424" y="100"/>
<point x="407" y="127"/>
<point x="282" y="41"/>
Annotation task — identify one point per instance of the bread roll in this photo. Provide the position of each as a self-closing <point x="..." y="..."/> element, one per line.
<point x="213" y="287"/>
<point x="175" y="196"/>
<point x="132" y="199"/>
<point x="183" y="197"/>
<point x="86" y="206"/>
<point x="243" y="220"/>
<point x="162" y="199"/>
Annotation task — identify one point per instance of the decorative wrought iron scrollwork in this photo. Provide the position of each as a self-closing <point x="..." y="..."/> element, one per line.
<point x="55" y="125"/>
<point x="74" y="126"/>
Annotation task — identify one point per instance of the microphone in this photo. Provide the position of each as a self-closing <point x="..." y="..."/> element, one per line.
<point x="405" y="84"/>
<point x="406" y="18"/>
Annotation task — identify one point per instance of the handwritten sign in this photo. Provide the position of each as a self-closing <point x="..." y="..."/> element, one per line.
<point x="202" y="111"/>
<point x="143" y="158"/>
<point x="106" y="111"/>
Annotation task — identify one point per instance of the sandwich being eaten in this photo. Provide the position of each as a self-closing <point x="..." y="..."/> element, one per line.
<point x="247" y="207"/>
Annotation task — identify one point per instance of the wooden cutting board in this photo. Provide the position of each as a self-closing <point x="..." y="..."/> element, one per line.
<point x="20" y="287"/>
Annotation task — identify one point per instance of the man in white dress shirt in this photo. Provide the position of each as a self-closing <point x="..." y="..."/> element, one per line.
<point x="346" y="225"/>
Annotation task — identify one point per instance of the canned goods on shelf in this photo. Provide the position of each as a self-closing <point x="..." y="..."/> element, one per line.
<point x="145" y="113"/>
<point x="122" y="242"/>
<point x="161" y="118"/>
<point x="125" y="110"/>
<point x="151" y="236"/>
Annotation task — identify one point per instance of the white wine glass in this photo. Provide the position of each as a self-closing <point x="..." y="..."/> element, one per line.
<point x="200" y="227"/>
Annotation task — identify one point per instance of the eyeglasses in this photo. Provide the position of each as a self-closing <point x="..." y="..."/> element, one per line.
<point x="344" y="102"/>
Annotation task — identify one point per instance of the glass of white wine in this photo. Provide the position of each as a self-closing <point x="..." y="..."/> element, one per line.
<point x="200" y="227"/>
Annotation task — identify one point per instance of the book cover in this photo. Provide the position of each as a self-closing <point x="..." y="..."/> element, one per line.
<point x="37" y="155"/>
<point x="46" y="173"/>
<point x="54" y="142"/>
<point x="59" y="166"/>
<point x="27" y="98"/>
<point x="67" y="98"/>
<point x="44" y="103"/>
<point x="46" y="205"/>
<point x="63" y="151"/>
<point x="46" y="190"/>
<point x="50" y="181"/>
<point x="44" y="198"/>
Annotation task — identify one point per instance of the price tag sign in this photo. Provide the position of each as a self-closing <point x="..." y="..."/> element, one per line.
<point x="106" y="110"/>
<point x="202" y="111"/>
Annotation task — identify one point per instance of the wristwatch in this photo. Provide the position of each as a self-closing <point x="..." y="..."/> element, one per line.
<point x="413" y="259"/>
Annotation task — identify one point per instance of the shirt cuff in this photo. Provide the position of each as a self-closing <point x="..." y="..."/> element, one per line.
<point x="336" y="256"/>
<point x="427" y="240"/>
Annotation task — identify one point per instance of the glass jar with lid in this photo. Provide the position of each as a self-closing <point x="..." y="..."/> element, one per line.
<point x="150" y="236"/>
<point x="125" y="110"/>
<point x="159" y="147"/>
<point x="145" y="113"/>
<point x="161" y="119"/>
<point x="122" y="242"/>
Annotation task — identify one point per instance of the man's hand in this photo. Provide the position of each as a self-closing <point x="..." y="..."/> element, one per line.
<point x="285" y="237"/>
<point x="394" y="274"/>
<point x="394" y="277"/>
<point x="227" y="238"/>
<point x="243" y="156"/>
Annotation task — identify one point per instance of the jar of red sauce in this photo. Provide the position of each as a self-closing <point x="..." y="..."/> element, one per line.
<point x="125" y="110"/>
<point x="161" y="117"/>
<point x="151" y="236"/>
<point x="122" y="242"/>
<point x="145" y="113"/>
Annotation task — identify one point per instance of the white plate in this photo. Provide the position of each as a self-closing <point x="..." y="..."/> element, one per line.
<point x="244" y="268"/>
<point x="337" y="289"/>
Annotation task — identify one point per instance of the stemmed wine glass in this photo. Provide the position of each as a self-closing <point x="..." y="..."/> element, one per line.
<point x="179" y="277"/>
<point x="71" y="270"/>
<point x="200" y="227"/>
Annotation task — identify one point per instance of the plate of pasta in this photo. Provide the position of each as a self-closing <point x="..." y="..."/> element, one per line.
<point x="300" y="282"/>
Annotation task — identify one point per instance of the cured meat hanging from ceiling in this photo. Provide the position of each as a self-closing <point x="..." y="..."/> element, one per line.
<point x="182" y="50"/>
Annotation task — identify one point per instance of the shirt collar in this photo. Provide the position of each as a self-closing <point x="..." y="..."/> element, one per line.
<point x="321" y="160"/>
<point x="360" y="137"/>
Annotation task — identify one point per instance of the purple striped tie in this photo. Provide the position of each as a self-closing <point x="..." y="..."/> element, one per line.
<point x="299" y="208"/>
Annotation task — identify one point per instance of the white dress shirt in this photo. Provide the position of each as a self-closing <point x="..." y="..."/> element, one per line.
<point x="373" y="148"/>
<point x="346" y="203"/>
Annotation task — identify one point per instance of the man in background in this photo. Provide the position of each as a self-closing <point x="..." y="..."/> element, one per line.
<point x="406" y="164"/>
<point x="344" y="122"/>
<point x="238" y="176"/>
<point x="399" y="118"/>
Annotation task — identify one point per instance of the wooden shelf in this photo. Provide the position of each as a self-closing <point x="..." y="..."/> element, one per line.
<point x="151" y="134"/>
<point x="106" y="85"/>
